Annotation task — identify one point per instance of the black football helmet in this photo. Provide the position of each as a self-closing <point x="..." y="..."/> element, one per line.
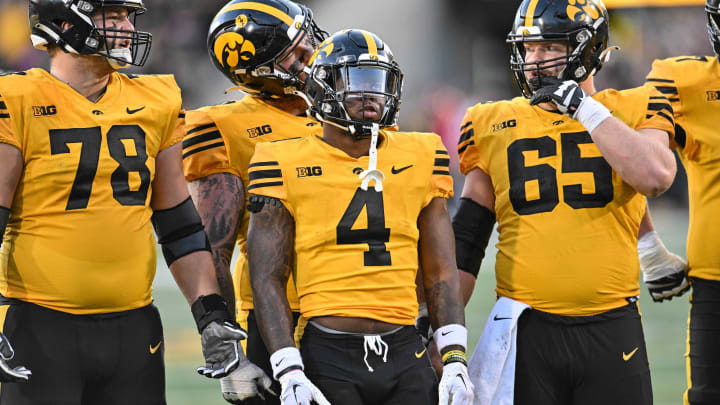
<point x="581" y="24"/>
<point x="248" y="40"/>
<point x="712" y="7"/>
<point x="84" y="37"/>
<point x="354" y="65"/>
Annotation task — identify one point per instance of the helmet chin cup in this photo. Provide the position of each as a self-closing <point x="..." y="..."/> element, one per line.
<point x="119" y="58"/>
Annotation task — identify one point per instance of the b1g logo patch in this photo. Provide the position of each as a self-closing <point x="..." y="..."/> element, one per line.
<point x="713" y="95"/>
<point x="309" y="171"/>
<point x="259" y="131"/>
<point x="503" y="125"/>
<point x="44" y="110"/>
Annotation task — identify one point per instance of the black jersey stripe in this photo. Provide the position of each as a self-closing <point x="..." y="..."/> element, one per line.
<point x="200" y="139"/>
<point x="202" y="148"/>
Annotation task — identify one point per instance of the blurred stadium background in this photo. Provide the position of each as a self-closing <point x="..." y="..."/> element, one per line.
<point x="453" y="55"/>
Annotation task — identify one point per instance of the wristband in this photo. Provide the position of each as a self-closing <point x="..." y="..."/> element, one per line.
<point x="454" y="353"/>
<point x="209" y="308"/>
<point x="285" y="360"/>
<point x="591" y="113"/>
<point x="450" y="335"/>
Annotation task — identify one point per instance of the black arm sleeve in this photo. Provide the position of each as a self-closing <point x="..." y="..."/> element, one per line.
<point x="180" y="231"/>
<point x="472" y="225"/>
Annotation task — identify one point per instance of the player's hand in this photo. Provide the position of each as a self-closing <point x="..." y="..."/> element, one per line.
<point x="247" y="381"/>
<point x="298" y="390"/>
<point x="8" y="374"/>
<point x="221" y="348"/>
<point x="566" y="95"/>
<point x="455" y="386"/>
<point x="422" y="325"/>
<point x="664" y="273"/>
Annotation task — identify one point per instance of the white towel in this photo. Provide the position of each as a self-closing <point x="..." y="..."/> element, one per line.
<point x="492" y="365"/>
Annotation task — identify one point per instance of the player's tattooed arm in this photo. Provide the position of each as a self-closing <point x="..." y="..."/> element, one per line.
<point x="271" y="238"/>
<point x="439" y="271"/>
<point x="220" y="200"/>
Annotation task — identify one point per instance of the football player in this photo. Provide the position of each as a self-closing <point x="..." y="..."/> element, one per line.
<point x="351" y="208"/>
<point x="262" y="48"/>
<point x="692" y="84"/>
<point x="563" y="171"/>
<point x="91" y="162"/>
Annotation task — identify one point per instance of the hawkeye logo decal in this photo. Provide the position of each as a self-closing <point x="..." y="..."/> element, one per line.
<point x="241" y="21"/>
<point x="578" y="9"/>
<point x="325" y="48"/>
<point x="231" y="47"/>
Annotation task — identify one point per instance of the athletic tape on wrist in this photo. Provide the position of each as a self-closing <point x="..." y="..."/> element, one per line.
<point x="285" y="358"/>
<point x="591" y="113"/>
<point x="451" y="335"/>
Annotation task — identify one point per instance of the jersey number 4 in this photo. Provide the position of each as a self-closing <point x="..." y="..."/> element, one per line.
<point x="375" y="235"/>
<point x="90" y="140"/>
<point x="546" y="176"/>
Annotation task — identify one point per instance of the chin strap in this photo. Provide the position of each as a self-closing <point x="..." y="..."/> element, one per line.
<point x="123" y="54"/>
<point x="372" y="173"/>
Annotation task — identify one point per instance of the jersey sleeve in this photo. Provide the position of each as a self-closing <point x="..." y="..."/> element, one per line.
<point x="7" y="133"/>
<point x="266" y="175"/>
<point x="468" y="153"/>
<point x="662" y="78"/>
<point x="204" y="149"/>
<point x="441" y="181"/>
<point x="659" y="114"/>
<point x="176" y="124"/>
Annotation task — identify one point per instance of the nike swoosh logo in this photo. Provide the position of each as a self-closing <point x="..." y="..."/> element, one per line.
<point x="396" y="171"/>
<point x="129" y="111"/>
<point x="445" y="333"/>
<point x="155" y="349"/>
<point x="496" y="318"/>
<point x="418" y="355"/>
<point x="278" y="363"/>
<point x="627" y="357"/>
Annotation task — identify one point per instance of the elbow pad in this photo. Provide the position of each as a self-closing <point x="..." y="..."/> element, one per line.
<point x="472" y="225"/>
<point x="180" y="231"/>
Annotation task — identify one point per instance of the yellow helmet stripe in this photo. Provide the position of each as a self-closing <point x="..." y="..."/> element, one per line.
<point x="250" y="5"/>
<point x="530" y="13"/>
<point x="372" y="46"/>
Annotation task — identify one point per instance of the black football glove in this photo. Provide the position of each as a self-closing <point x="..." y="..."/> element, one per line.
<point x="566" y="95"/>
<point x="221" y="348"/>
<point x="8" y="374"/>
<point x="422" y="324"/>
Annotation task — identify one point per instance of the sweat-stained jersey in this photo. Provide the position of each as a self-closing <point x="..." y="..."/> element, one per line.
<point x="692" y="84"/>
<point x="222" y="139"/>
<point x="568" y="223"/>
<point x="356" y="251"/>
<point x="79" y="238"/>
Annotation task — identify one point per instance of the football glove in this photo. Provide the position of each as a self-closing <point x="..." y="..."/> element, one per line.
<point x="8" y="374"/>
<point x="298" y="390"/>
<point x="455" y="386"/>
<point x="572" y="101"/>
<point x="221" y="348"/>
<point x="664" y="273"/>
<point x="422" y="324"/>
<point x="247" y="381"/>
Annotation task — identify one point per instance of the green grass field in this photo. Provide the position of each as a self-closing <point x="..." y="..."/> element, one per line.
<point x="665" y="329"/>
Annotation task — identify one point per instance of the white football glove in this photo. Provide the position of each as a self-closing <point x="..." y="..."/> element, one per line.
<point x="221" y="348"/>
<point x="298" y="390"/>
<point x="247" y="381"/>
<point x="7" y="373"/>
<point x="455" y="386"/>
<point x="664" y="273"/>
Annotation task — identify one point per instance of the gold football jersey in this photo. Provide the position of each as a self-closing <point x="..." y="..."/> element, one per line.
<point x="222" y="139"/>
<point x="79" y="238"/>
<point x="568" y="223"/>
<point x="356" y="250"/>
<point x="692" y="84"/>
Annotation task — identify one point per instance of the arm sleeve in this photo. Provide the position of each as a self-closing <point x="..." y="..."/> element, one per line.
<point x="441" y="183"/>
<point x="204" y="149"/>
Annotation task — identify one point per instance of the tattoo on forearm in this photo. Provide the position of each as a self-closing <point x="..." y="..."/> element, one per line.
<point x="220" y="200"/>
<point x="270" y="254"/>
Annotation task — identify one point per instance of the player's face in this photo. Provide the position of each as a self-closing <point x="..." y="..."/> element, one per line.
<point x="365" y="100"/>
<point x="536" y="52"/>
<point x="296" y="58"/>
<point x="114" y="18"/>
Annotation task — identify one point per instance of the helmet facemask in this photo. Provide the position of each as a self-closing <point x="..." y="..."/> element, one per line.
<point x="109" y="37"/>
<point x="355" y="95"/>
<point x="713" y="13"/>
